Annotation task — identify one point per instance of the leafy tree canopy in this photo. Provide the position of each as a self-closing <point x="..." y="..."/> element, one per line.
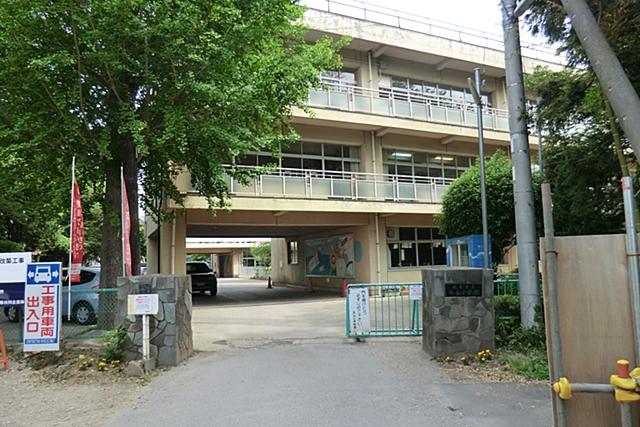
<point x="156" y="85"/>
<point x="262" y="252"/>
<point x="462" y="210"/>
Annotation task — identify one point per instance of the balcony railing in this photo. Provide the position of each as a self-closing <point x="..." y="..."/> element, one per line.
<point x="330" y="185"/>
<point x="413" y="22"/>
<point x="404" y="104"/>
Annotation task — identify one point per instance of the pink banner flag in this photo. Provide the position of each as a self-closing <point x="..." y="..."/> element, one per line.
<point x="126" y="230"/>
<point x="77" y="234"/>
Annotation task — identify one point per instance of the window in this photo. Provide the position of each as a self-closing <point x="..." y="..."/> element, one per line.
<point x="415" y="246"/>
<point x="416" y="90"/>
<point x="292" y="252"/>
<point x="310" y="155"/>
<point x="342" y="80"/>
<point x="416" y="164"/>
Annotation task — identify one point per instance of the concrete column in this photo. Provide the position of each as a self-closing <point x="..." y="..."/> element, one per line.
<point x="179" y="249"/>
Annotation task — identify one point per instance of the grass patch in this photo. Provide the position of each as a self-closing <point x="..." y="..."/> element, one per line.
<point x="531" y="365"/>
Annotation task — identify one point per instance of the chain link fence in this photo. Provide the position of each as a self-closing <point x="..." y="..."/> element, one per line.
<point x="86" y="314"/>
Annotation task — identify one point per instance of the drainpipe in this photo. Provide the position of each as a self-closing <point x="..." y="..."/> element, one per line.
<point x="370" y="70"/>
<point x="378" y="278"/>
<point x="173" y="246"/>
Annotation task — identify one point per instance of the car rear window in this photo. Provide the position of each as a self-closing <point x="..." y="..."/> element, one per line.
<point x="197" y="268"/>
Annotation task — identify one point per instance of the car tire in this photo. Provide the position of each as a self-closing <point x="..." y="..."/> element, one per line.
<point x="13" y="313"/>
<point x="83" y="313"/>
<point x="213" y="291"/>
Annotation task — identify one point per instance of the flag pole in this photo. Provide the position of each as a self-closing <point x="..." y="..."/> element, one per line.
<point x="124" y="271"/>
<point x="73" y="183"/>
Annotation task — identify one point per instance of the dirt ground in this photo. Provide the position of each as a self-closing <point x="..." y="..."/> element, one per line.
<point x="53" y="389"/>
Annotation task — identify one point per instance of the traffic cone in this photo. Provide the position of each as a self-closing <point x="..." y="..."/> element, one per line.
<point x="4" y="360"/>
<point x="310" y="287"/>
<point x="344" y="288"/>
<point x="269" y="284"/>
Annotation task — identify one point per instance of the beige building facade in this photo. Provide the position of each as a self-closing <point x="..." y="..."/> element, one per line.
<point x="355" y="198"/>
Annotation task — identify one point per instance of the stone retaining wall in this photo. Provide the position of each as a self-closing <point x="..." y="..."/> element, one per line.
<point x="170" y="329"/>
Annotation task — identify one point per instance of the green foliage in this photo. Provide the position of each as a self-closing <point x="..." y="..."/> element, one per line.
<point x="532" y="364"/>
<point x="113" y="344"/>
<point x="262" y="253"/>
<point x="160" y="86"/>
<point x="199" y="257"/>
<point x="462" y="211"/>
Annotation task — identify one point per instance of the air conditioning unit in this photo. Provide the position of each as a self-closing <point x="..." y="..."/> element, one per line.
<point x="392" y="233"/>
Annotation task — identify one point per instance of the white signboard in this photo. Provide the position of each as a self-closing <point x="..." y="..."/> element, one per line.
<point x="13" y="266"/>
<point x="360" y="322"/>
<point x="143" y="304"/>
<point x="42" y="307"/>
<point x="415" y="292"/>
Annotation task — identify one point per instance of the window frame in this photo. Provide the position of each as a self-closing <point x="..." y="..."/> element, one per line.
<point x="433" y="241"/>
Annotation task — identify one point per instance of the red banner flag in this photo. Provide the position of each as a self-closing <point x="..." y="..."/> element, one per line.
<point x="126" y="230"/>
<point x="77" y="234"/>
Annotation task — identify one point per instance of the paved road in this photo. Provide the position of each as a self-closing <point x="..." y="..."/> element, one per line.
<point x="258" y="369"/>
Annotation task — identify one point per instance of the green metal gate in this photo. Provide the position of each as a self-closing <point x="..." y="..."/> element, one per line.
<point x="383" y="309"/>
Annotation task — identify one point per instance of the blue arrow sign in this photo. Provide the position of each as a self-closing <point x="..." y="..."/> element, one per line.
<point x="43" y="273"/>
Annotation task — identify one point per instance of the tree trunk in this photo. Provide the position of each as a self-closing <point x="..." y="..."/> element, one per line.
<point x="111" y="251"/>
<point x="130" y="164"/>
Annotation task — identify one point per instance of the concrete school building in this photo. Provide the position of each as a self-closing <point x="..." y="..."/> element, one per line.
<point x="354" y="199"/>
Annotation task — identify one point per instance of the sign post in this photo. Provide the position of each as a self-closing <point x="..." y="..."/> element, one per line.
<point x="42" y="307"/>
<point x="144" y="305"/>
<point x="360" y="322"/>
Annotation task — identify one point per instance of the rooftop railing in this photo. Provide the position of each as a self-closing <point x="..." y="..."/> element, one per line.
<point x="405" y="104"/>
<point x="339" y="185"/>
<point x="412" y="22"/>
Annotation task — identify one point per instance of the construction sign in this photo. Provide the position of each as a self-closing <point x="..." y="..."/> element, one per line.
<point x="42" y="307"/>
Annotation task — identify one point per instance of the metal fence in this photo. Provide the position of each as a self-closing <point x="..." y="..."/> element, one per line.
<point x="410" y="104"/>
<point x="384" y="309"/>
<point x="93" y="312"/>
<point x="505" y="284"/>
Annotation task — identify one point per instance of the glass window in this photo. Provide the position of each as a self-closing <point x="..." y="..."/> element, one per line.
<point x="312" y="148"/>
<point x="248" y="160"/>
<point x="332" y="150"/>
<point x="408" y="254"/>
<point x="265" y="160"/>
<point x="404" y="170"/>
<point x="424" y="254"/>
<point x="394" y="254"/>
<point x="351" y="167"/>
<point x="420" y="171"/>
<point x="295" y="148"/>
<point x="351" y="152"/>
<point x="450" y="173"/>
<point x="197" y="267"/>
<point x="415" y="85"/>
<point x="424" y="234"/>
<point x="292" y="252"/>
<point x="315" y="164"/>
<point x="407" y="233"/>
<point x="399" y="83"/>
<point x="332" y="165"/>
<point x="291" y="162"/>
<point x="417" y="247"/>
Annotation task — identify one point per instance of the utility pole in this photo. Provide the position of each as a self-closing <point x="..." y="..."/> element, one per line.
<point x="520" y="155"/>
<point x="475" y="87"/>
<point x="613" y="80"/>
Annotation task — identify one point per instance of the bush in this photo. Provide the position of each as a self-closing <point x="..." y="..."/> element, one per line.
<point x="113" y="344"/>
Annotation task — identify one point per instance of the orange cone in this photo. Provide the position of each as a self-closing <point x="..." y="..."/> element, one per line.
<point x="269" y="284"/>
<point x="344" y="288"/>
<point x="310" y="288"/>
<point x="4" y="360"/>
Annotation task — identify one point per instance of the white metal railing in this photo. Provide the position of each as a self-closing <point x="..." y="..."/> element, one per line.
<point x="412" y="22"/>
<point x="338" y="185"/>
<point x="404" y="103"/>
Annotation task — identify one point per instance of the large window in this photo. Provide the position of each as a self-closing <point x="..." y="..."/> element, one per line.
<point x="417" y="164"/>
<point x="404" y="88"/>
<point x="248" y="260"/>
<point x="292" y="252"/>
<point x="310" y="155"/>
<point x="342" y="80"/>
<point x="413" y="247"/>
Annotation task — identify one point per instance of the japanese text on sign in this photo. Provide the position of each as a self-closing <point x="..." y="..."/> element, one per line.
<point x="41" y="307"/>
<point x="360" y="322"/>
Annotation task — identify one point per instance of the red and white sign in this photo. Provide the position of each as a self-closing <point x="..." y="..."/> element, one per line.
<point x="42" y="307"/>
<point x="77" y="234"/>
<point x="126" y="230"/>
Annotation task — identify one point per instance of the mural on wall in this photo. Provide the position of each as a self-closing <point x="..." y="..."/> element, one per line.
<point x="330" y="256"/>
